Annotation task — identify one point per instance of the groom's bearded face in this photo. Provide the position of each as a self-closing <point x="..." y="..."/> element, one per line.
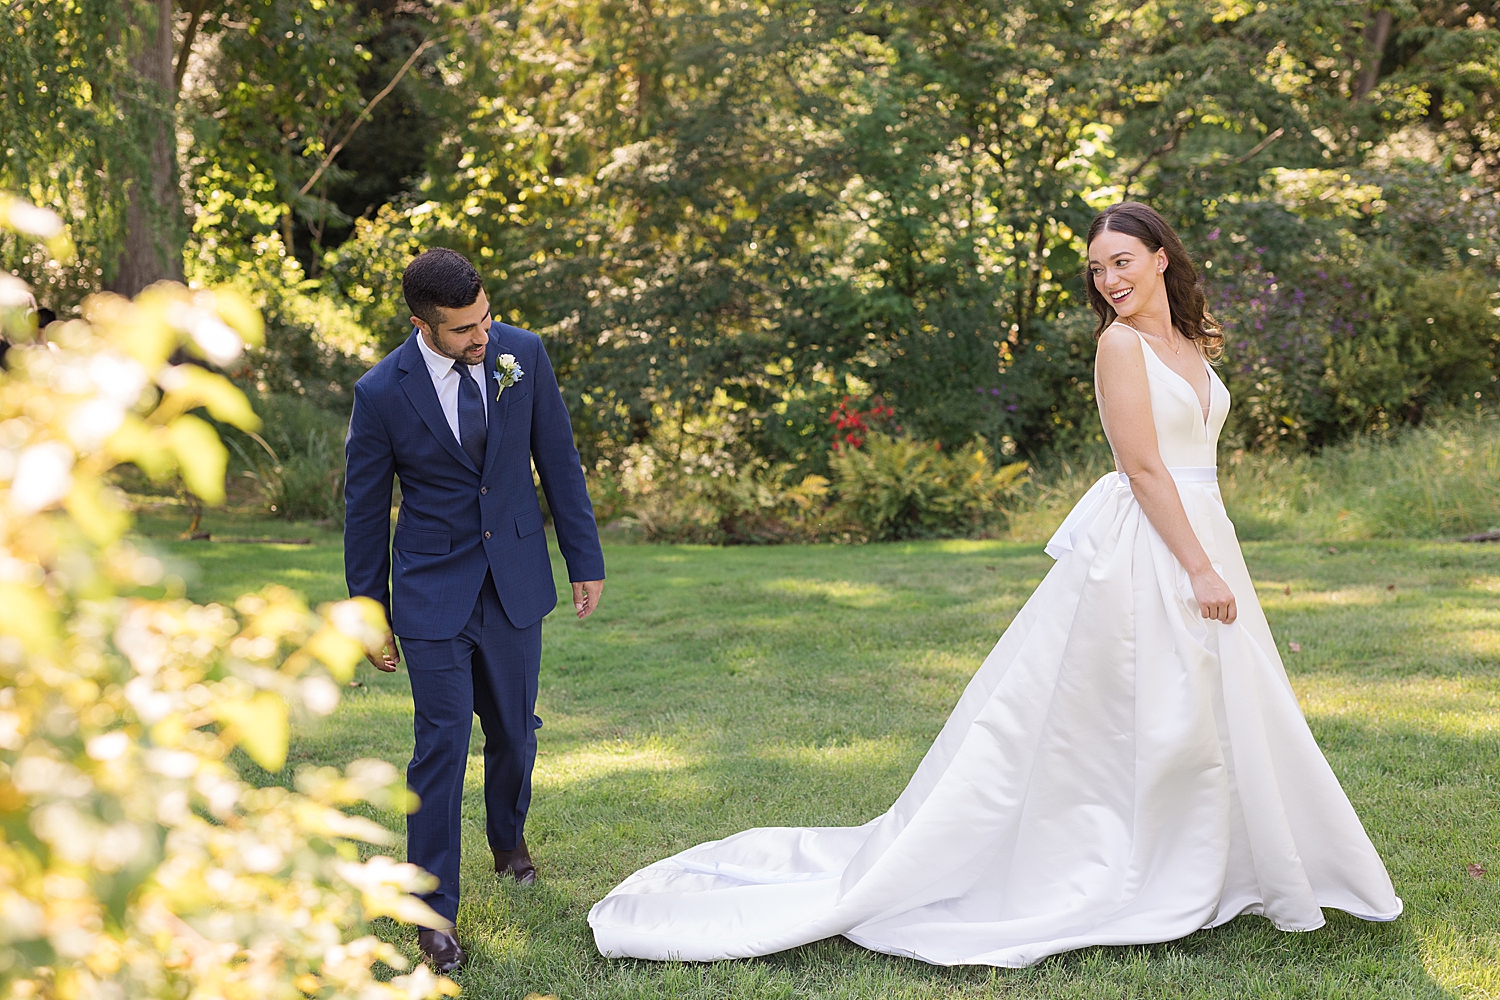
<point x="461" y="334"/>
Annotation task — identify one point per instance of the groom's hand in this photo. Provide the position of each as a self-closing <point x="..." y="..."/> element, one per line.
<point x="386" y="657"/>
<point x="586" y="596"/>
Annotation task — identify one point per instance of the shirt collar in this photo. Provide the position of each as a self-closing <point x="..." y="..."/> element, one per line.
<point x="436" y="363"/>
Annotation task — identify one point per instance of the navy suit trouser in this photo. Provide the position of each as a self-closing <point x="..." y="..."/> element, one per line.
<point x="489" y="669"/>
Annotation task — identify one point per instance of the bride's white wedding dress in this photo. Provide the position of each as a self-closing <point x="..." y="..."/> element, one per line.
<point x="1119" y="771"/>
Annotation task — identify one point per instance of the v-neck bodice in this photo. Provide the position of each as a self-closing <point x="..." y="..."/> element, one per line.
<point x="1184" y="436"/>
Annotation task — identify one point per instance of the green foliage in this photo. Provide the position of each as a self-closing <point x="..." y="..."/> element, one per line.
<point x="71" y="133"/>
<point x="1440" y="480"/>
<point x="708" y="208"/>
<point x="705" y="201"/>
<point x="1436" y="341"/>
<point x="276" y="85"/>
<point x="897" y="487"/>
<point x="756" y="505"/>
<point x="314" y="349"/>
<point x="889" y="488"/>
<point x="297" y="461"/>
<point x="1360" y="302"/>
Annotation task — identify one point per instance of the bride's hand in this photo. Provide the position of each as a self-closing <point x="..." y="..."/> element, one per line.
<point x="1215" y="599"/>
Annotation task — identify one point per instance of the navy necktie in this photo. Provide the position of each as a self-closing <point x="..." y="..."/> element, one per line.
<point x="471" y="429"/>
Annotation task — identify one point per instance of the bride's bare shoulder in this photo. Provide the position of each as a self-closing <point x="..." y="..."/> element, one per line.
<point x="1119" y="345"/>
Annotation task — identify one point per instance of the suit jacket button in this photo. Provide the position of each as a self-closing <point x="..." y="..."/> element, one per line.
<point x="483" y="490"/>
<point x="486" y="534"/>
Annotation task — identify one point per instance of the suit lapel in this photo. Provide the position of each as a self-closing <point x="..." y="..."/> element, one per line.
<point x="417" y="384"/>
<point x="495" y="410"/>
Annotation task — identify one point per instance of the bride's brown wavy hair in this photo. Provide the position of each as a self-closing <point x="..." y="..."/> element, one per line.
<point x="1185" y="298"/>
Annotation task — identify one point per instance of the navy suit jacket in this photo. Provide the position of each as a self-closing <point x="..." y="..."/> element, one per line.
<point x="457" y="521"/>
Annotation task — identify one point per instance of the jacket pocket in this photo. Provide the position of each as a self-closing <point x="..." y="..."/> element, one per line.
<point x="528" y="522"/>
<point x="422" y="540"/>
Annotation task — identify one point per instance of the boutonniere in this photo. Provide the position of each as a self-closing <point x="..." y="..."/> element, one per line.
<point x="507" y="373"/>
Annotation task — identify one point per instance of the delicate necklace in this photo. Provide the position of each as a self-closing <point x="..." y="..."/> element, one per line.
<point x="1175" y="345"/>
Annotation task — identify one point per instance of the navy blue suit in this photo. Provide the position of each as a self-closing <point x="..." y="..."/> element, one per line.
<point x="470" y="580"/>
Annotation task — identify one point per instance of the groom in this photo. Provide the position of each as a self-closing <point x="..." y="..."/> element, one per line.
<point x="460" y="412"/>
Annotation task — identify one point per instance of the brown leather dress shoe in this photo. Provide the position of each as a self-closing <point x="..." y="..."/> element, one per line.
<point x="515" y="862"/>
<point x="442" y="950"/>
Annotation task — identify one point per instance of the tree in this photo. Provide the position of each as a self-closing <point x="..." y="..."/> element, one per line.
<point x="273" y="91"/>
<point x="151" y="246"/>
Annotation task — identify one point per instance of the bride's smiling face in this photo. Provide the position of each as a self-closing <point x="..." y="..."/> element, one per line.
<point x="1126" y="272"/>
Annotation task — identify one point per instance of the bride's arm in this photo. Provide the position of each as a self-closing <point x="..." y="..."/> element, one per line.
<point x="1132" y="433"/>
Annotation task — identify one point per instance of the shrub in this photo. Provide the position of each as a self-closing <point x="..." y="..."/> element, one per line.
<point x="1357" y="315"/>
<point x="297" y="461"/>
<point x="314" y="348"/>
<point x="757" y="505"/>
<point x="135" y="862"/>
<point x="897" y="487"/>
<point x="697" y="484"/>
<point x="1428" y="342"/>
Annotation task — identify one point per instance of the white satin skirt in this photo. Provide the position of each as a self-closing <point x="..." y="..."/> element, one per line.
<point x="1119" y="771"/>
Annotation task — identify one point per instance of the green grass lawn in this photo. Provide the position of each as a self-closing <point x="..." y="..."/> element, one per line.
<point x="719" y="689"/>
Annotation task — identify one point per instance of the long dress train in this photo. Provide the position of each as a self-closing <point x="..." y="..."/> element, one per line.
<point x="1119" y="771"/>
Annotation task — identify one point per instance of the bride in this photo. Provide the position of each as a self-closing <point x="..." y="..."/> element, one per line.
<point x="1129" y="765"/>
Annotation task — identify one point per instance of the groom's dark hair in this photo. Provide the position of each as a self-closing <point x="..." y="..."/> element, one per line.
<point x="438" y="279"/>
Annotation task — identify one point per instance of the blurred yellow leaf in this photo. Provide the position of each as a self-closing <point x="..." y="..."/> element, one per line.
<point x="337" y="651"/>
<point x="332" y="823"/>
<point x="201" y="456"/>
<point x="134" y="329"/>
<point x="101" y="521"/>
<point x="135" y="441"/>
<point x="240" y="313"/>
<point x="139" y="681"/>
<point x="41" y="223"/>
<point x="26" y="614"/>
<point x="259" y="724"/>
<point x="360" y="623"/>
<point x="189" y="386"/>
<point x="274" y="611"/>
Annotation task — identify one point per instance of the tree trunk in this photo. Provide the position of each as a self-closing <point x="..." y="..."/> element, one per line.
<point x="1376" y="34"/>
<point x="154" y="237"/>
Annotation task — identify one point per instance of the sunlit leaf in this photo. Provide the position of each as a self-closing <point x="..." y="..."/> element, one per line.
<point x="259" y="724"/>
<point x="201" y="456"/>
<point x="27" y="615"/>
<point x="189" y="386"/>
<point x="91" y="508"/>
<point x="240" y="313"/>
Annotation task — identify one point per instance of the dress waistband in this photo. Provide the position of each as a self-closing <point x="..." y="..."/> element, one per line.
<point x="1185" y="474"/>
<point x="1083" y="511"/>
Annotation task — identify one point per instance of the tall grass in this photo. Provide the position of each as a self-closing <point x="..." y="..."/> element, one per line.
<point x="297" y="461"/>
<point x="1439" y="480"/>
<point x="1435" y="481"/>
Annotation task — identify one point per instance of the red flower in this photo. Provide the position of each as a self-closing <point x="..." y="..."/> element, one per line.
<point x="852" y="425"/>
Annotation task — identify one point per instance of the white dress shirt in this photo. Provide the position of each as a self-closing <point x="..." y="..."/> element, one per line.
<point x="445" y="381"/>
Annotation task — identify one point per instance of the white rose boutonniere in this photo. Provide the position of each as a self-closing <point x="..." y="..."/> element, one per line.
<point x="507" y="373"/>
